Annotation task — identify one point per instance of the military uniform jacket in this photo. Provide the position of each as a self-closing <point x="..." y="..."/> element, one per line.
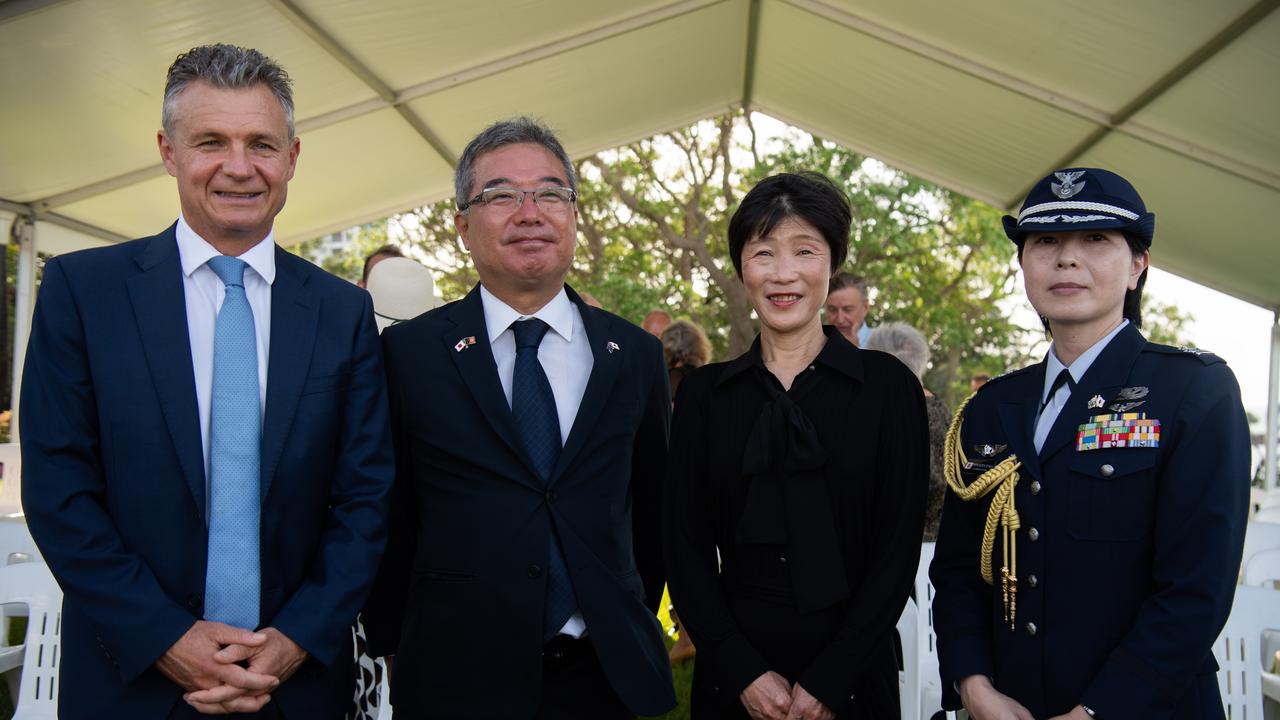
<point x="1127" y="557"/>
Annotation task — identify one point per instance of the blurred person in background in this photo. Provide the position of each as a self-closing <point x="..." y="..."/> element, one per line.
<point x="908" y="345"/>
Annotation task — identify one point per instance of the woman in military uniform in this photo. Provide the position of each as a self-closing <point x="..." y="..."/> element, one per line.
<point x="1091" y="538"/>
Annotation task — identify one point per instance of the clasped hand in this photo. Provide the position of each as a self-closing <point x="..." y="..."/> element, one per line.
<point x="771" y="697"/>
<point x="205" y="662"/>
<point x="984" y="702"/>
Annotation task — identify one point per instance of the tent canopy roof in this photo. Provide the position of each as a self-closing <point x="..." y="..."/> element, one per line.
<point x="1180" y="96"/>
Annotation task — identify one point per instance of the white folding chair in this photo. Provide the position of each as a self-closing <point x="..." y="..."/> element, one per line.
<point x="1268" y="515"/>
<point x="1262" y="569"/>
<point x="30" y="584"/>
<point x="909" y="678"/>
<point x="930" y="681"/>
<point x="1239" y="650"/>
<point x="16" y="544"/>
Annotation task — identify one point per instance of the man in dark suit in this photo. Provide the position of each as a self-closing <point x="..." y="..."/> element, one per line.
<point x="524" y="563"/>
<point x="205" y="442"/>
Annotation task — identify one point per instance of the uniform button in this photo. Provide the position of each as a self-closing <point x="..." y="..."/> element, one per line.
<point x="534" y="570"/>
<point x="1032" y="580"/>
<point x="193" y="601"/>
<point x="1107" y="470"/>
<point x="1031" y="629"/>
<point x="1035" y="487"/>
<point x="1034" y="534"/>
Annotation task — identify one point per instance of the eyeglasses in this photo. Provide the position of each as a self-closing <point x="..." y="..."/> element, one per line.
<point x="549" y="199"/>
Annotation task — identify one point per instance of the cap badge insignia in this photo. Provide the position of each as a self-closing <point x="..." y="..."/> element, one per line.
<point x="1096" y="402"/>
<point x="1068" y="187"/>
<point x="988" y="450"/>
<point x="465" y="343"/>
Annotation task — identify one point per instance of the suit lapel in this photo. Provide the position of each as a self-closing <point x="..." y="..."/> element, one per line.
<point x="1018" y="416"/>
<point x="294" y="314"/>
<point x="1112" y="365"/>
<point x="159" y="305"/>
<point x="479" y="371"/>
<point x="604" y="372"/>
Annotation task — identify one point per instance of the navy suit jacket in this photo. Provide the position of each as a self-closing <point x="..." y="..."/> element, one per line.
<point x="1127" y="558"/>
<point x="459" y="599"/>
<point x="114" y="481"/>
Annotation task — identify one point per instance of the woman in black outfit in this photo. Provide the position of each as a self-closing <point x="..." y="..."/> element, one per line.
<point x="796" y="490"/>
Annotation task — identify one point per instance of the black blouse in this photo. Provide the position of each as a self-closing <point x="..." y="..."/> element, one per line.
<point x="835" y="489"/>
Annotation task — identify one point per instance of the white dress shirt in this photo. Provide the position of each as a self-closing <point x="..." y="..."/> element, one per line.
<point x="203" y="290"/>
<point x="565" y="354"/>
<point x="1053" y="405"/>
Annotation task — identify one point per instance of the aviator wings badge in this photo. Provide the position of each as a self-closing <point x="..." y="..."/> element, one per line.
<point x="1068" y="187"/>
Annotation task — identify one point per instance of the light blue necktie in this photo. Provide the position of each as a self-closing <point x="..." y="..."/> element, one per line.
<point x="232" y="580"/>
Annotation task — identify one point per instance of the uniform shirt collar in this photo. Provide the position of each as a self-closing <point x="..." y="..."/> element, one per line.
<point x="195" y="251"/>
<point x="1081" y="364"/>
<point x="498" y="315"/>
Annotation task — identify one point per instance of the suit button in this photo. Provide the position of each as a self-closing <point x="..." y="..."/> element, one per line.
<point x="193" y="601"/>
<point x="782" y="558"/>
<point x="1031" y="629"/>
<point x="1034" y="534"/>
<point x="1107" y="470"/>
<point x="534" y="571"/>
<point x="1032" y="581"/>
<point x="1035" y="487"/>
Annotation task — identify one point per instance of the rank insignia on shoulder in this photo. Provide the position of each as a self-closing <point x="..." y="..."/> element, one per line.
<point x="1096" y="402"/>
<point x="987" y="450"/>
<point x="1121" y="430"/>
<point x="1193" y="350"/>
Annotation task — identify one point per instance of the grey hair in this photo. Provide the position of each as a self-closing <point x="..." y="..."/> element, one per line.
<point x="842" y="280"/>
<point x="228" y="67"/>
<point x="903" y="342"/>
<point x="522" y="129"/>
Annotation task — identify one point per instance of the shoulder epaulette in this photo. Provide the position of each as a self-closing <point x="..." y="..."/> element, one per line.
<point x="1203" y="356"/>
<point x="1011" y="373"/>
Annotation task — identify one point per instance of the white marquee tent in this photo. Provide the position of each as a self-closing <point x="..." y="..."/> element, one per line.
<point x="982" y="96"/>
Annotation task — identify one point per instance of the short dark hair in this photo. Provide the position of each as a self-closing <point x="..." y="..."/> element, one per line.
<point x="388" y="250"/>
<point x="228" y="67"/>
<point x="842" y="280"/>
<point x="1132" y="298"/>
<point x="809" y="196"/>
<point x="516" y="130"/>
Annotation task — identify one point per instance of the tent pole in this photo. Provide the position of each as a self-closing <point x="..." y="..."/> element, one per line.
<point x="24" y="232"/>
<point x="1273" y="398"/>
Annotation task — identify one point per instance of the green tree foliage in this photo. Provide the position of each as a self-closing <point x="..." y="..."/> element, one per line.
<point x="652" y="234"/>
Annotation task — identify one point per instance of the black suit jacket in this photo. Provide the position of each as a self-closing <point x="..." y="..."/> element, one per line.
<point x="114" y="481"/>
<point x="1132" y="569"/>
<point x="459" y="598"/>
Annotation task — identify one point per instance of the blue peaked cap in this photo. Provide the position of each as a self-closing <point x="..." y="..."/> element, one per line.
<point x="1082" y="199"/>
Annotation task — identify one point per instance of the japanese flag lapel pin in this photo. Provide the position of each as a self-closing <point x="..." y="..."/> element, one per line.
<point x="465" y="343"/>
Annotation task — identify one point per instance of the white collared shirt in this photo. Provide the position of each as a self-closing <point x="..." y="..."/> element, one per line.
<point x="203" y="291"/>
<point x="1053" y="367"/>
<point x="565" y="354"/>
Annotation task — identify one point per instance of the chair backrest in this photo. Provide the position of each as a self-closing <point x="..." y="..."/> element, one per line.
<point x="16" y="544"/>
<point x="930" y="681"/>
<point x="909" y="688"/>
<point x="1268" y="515"/>
<point x="1263" y="568"/>
<point x="1259" y="536"/>
<point x="32" y="585"/>
<point x="1239" y="650"/>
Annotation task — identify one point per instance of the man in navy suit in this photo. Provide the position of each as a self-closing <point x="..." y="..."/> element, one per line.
<point x="524" y="564"/>
<point x="205" y="434"/>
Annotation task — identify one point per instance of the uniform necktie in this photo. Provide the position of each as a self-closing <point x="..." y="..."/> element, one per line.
<point x="534" y="407"/>
<point x="233" y="579"/>
<point x="1049" y="410"/>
